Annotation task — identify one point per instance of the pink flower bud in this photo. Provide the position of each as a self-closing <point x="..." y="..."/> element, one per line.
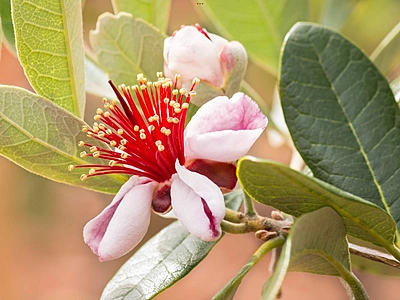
<point x="219" y="64"/>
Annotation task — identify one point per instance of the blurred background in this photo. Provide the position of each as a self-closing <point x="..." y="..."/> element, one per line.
<point x="42" y="253"/>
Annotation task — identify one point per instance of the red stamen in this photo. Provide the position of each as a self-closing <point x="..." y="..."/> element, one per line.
<point x="145" y="139"/>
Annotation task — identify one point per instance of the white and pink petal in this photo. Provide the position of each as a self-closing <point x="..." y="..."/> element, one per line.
<point x="224" y="129"/>
<point x="123" y="223"/>
<point x="197" y="203"/>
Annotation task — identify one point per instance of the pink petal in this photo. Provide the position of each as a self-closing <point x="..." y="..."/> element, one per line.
<point x="197" y="203"/>
<point x="190" y="54"/>
<point x="224" y="129"/>
<point x="123" y="223"/>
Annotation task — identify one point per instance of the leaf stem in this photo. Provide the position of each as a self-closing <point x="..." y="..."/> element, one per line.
<point x="375" y="255"/>
<point x="249" y="206"/>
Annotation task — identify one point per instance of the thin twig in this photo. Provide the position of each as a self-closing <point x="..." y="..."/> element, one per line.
<point x="374" y="255"/>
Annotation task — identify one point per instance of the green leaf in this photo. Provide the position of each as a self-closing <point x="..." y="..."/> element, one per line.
<point x="336" y="12"/>
<point x="165" y="259"/>
<point x="125" y="47"/>
<point x="395" y="85"/>
<point x="6" y="23"/>
<point x="342" y="115"/>
<point x="387" y="55"/>
<point x="42" y="138"/>
<point x="229" y="290"/>
<point x="277" y="185"/>
<point x="49" y="41"/>
<point x="155" y="12"/>
<point x="316" y="244"/>
<point x="259" y="25"/>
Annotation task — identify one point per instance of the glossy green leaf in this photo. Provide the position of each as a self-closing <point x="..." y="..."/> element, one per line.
<point x="395" y="85"/>
<point x="6" y="23"/>
<point x="387" y="55"/>
<point x="292" y="192"/>
<point x="41" y="137"/>
<point x="125" y="47"/>
<point x="49" y="42"/>
<point x="229" y="290"/>
<point x="342" y="115"/>
<point x="259" y="25"/>
<point x="316" y="244"/>
<point x="165" y="259"/>
<point x="155" y="12"/>
<point x="336" y="12"/>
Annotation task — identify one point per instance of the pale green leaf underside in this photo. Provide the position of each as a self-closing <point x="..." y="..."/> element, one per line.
<point x="6" y="24"/>
<point x="165" y="259"/>
<point x="294" y="193"/>
<point x="41" y="137"/>
<point x="316" y="244"/>
<point x="155" y="12"/>
<point x="387" y="55"/>
<point x="125" y="47"/>
<point x="96" y="81"/>
<point x="49" y="41"/>
<point x="342" y="115"/>
<point x="259" y="25"/>
<point x="336" y="12"/>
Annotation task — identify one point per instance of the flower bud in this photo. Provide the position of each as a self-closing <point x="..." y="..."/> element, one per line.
<point x="219" y="64"/>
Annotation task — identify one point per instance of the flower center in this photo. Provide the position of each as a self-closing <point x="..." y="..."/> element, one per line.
<point x="145" y="135"/>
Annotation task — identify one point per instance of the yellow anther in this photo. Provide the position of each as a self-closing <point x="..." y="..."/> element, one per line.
<point x="175" y="120"/>
<point x="123" y="142"/>
<point x="160" y="148"/>
<point x="177" y="110"/>
<point x="159" y="74"/>
<point x="122" y="148"/>
<point x="166" y="100"/>
<point x="124" y="155"/>
<point x="135" y="87"/>
<point x="192" y="93"/>
<point x="151" y="127"/>
<point x="81" y="144"/>
<point x="177" y="105"/>
<point x="156" y="117"/>
<point x="107" y="105"/>
<point x="195" y="80"/>
<point x="71" y="168"/>
<point x="114" y="102"/>
<point x="142" y="136"/>
<point x="102" y="126"/>
<point x="141" y="130"/>
<point x="183" y="91"/>
<point x="185" y="105"/>
<point x="83" y="154"/>
<point x="113" y="143"/>
<point x="143" y="87"/>
<point x="92" y="171"/>
<point x="169" y="119"/>
<point x="172" y="103"/>
<point x="177" y="77"/>
<point x="120" y="131"/>
<point x="96" y="154"/>
<point x="95" y="129"/>
<point x="149" y="84"/>
<point x="175" y="92"/>
<point x="84" y="128"/>
<point x="83" y="177"/>
<point x="93" y="149"/>
<point x="136" y="128"/>
<point x="109" y="131"/>
<point x="99" y="111"/>
<point x="112" y="107"/>
<point x="106" y="114"/>
<point x="101" y="134"/>
<point x="139" y="77"/>
<point x="163" y="129"/>
<point x="97" y="117"/>
<point x="104" y="100"/>
<point x="167" y="132"/>
<point x="158" y="143"/>
<point x="112" y="163"/>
